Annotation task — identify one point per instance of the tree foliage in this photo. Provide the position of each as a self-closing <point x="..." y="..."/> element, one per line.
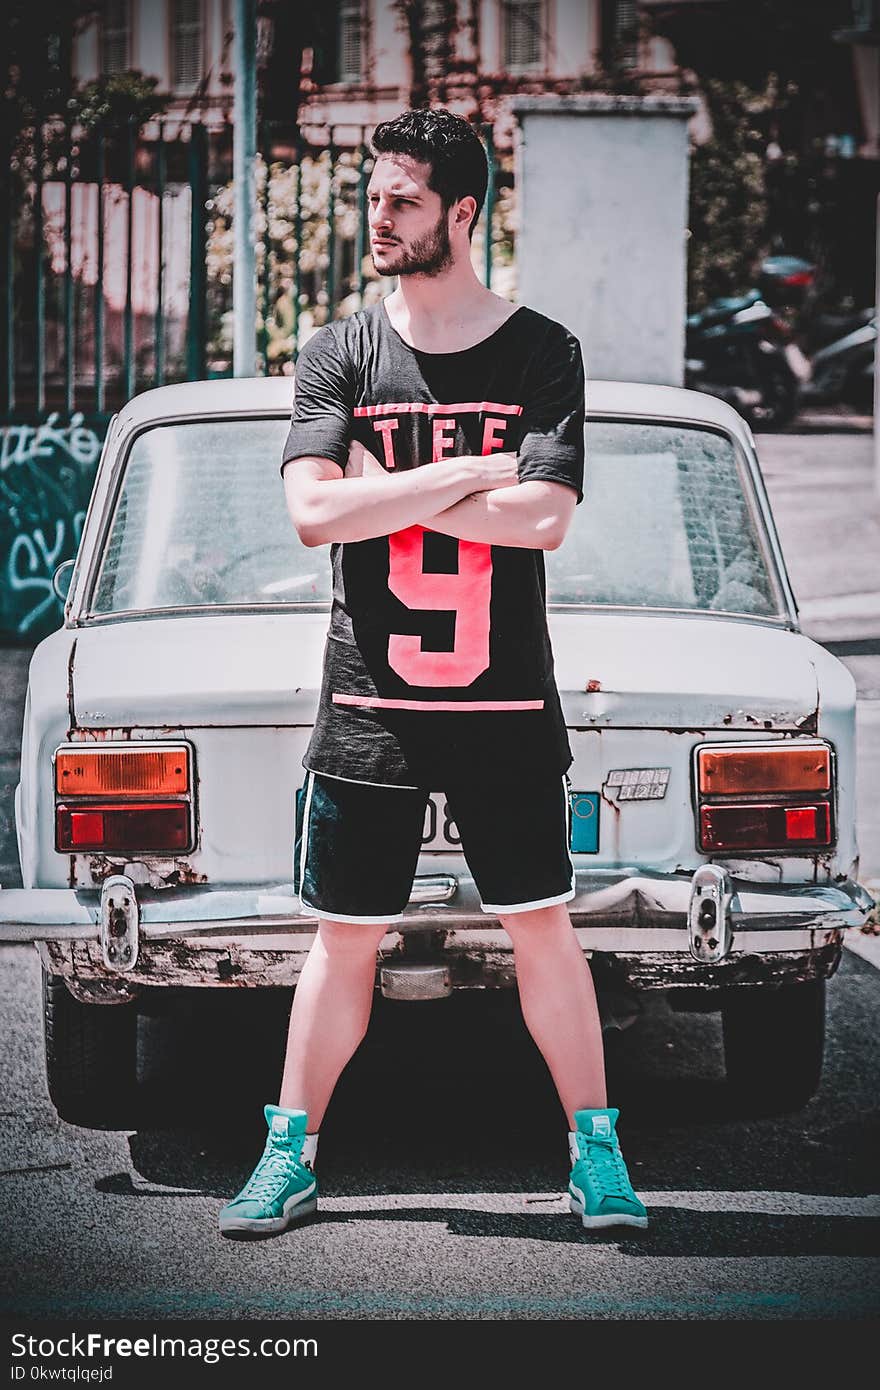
<point x="728" y="195"/>
<point x="114" y="99"/>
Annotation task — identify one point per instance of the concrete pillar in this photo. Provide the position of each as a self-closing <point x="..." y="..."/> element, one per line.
<point x="602" y="186"/>
<point x="877" y="358"/>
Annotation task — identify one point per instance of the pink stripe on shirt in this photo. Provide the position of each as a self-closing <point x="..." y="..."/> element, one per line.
<point x="376" y="702"/>
<point x="435" y="408"/>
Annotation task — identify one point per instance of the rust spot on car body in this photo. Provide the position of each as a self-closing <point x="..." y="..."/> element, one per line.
<point x="157" y="873"/>
<point x="203" y="964"/>
<point x="809" y="724"/>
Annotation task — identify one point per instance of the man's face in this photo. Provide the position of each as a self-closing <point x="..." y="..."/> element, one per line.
<point x="409" y="227"/>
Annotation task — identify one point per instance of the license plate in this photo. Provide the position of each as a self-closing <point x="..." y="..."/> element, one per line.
<point x="440" y="831"/>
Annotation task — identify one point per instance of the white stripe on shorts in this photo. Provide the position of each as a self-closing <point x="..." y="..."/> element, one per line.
<point x="303" y="849"/>
<point x="347" y="917"/>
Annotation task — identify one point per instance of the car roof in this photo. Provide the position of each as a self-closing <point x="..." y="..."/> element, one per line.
<point x="270" y="394"/>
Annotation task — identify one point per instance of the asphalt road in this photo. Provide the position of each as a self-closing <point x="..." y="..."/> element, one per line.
<point x="443" y="1158"/>
<point x="442" y="1166"/>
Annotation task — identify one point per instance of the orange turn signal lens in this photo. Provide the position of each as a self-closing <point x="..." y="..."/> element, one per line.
<point x="97" y="771"/>
<point x="745" y="771"/>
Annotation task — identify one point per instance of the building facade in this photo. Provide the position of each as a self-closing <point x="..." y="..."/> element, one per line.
<point x="185" y="44"/>
<point x="351" y="63"/>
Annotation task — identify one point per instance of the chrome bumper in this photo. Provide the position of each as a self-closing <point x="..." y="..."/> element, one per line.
<point x="705" y="914"/>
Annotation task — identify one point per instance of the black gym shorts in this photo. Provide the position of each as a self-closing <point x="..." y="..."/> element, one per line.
<point x="357" y="846"/>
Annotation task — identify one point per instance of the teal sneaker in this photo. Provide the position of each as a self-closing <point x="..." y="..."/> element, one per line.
<point x="599" y="1186"/>
<point x="282" y="1188"/>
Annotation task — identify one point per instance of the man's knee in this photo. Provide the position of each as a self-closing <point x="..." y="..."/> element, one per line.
<point x="538" y="926"/>
<point x="350" y="938"/>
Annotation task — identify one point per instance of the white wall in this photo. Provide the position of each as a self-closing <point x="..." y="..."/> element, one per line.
<point x="574" y="37"/>
<point x="601" y="246"/>
<point x="490" y="35"/>
<point x="151" y="44"/>
<point x="86" y="56"/>
<point x="390" y="44"/>
<point x="150" y="41"/>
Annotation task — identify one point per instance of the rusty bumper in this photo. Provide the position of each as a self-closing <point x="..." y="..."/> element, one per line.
<point x="113" y="942"/>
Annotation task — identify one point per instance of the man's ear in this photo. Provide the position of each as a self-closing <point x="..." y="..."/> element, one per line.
<point x="464" y="211"/>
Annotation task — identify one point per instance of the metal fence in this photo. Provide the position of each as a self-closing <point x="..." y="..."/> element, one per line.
<point x="116" y="252"/>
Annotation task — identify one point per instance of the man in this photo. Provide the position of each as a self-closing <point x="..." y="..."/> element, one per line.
<point x="437" y="445"/>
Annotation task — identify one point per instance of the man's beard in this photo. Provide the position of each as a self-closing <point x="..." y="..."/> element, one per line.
<point x="430" y="254"/>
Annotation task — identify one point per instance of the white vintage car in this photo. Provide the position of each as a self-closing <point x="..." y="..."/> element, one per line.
<point x="714" y="745"/>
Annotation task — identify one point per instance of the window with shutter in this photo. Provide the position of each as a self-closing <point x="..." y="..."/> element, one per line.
<point x="116" y="35"/>
<point x="350" y="41"/>
<point x="626" y="32"/>
<point x="523" y="31"/>
<point x="186" y="44"/>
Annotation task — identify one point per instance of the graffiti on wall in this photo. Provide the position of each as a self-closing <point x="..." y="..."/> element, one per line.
<point x="47" y="471"/>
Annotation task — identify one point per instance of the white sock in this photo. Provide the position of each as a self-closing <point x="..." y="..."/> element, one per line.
<point x="309" y="1150"/>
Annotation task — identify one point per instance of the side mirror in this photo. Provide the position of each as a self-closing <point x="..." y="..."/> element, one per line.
<point x="61" y="580"/>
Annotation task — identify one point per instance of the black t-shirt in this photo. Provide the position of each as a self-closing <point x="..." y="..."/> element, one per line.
<point x="438" y="664"/>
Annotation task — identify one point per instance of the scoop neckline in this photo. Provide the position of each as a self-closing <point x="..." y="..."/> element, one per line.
<point x="457" y="352"/>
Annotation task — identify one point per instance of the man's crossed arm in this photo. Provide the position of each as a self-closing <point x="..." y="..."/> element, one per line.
<point x="474" y="497"/>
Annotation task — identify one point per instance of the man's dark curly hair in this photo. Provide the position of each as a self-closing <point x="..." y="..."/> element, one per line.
<point x="448" y="143"/>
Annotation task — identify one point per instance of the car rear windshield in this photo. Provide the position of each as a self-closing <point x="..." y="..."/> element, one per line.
<point x="201" y="520"/>
<point x="665" y="523"/>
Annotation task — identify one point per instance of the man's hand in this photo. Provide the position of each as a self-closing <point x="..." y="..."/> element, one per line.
<point x="329" y="504"/>
<point x="535" y="516"/>
<point x="495" y="470"/>
<point x="485" y="472"/>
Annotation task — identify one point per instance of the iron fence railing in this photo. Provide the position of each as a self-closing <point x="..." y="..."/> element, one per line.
<point x="117" y="256"/>
<point x="116" y="276"/>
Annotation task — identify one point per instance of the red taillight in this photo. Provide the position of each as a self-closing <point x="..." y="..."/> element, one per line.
<point x="798" y="278"/>
<point x="770" y="796"/>
<point x="149" y="828"/>
<point x="127" y="797"/>
<point x="768" y="827"/>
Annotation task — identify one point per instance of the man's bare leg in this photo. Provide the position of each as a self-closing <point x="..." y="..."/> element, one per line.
<point x="331" y="1010"/>
<point x="559" y="1004"/>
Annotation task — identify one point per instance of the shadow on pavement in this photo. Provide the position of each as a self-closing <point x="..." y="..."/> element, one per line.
<point x="453" y="1097"/>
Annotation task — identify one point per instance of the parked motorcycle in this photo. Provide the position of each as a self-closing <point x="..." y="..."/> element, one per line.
<point x="740" y="349"/>
<point x="840" y="348"/>
<point x="843" y="369"/>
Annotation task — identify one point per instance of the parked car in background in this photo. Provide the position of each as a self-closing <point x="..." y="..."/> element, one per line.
<point x="713" y="825"/>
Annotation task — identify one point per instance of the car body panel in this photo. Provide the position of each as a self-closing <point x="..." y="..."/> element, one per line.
<point x="641" y="688"/>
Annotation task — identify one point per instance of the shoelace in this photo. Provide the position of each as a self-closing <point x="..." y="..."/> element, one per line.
<point x="606" y="1160"/>
<point x="270" y="1171"/>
